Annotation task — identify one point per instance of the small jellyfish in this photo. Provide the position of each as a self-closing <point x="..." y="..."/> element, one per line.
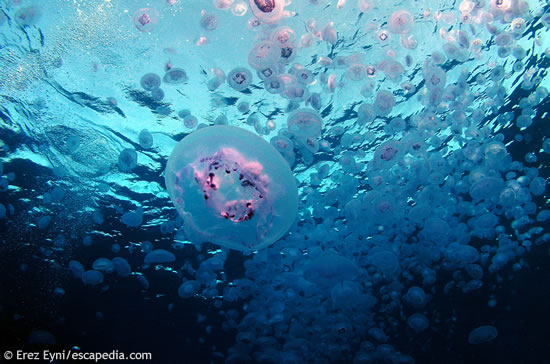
<point x="157" y="94"/>
<point x="365" y="114"/>
<point x="453" y="52"/>
<point x="239" y="78"/>
<point x="268" y="11"/>
<point x="190" y="121"/>
<point x="145" y="139"/>
<point x="328" y="34"/>
<point x="127" y="160"/>
<point x="239" y="8"/>
<point x="146" y="19"/>
<point x="384" y="103"/>
<point x="243" y="107"/>
<point x="482" y="334"/>
<point x="392" y="69"/>
<point x="218" y="77"/>
<point x="357" y="72"/>
<point x="221" y="120"/>
<point x="400" y="22"/>
<point x="175" y="76"/>
<point x="283" y="36"/>
<point x="150" y="81"/>
<point x="518" y="25"/>
<point x="305" y="123"/>
<point x="264" y="55"/>
<point x="304" y="76"/>
<point x="418" y="322"/>
<point x="267" y="72"/>
<point x="288" y="53"/>
<point x="209" y="22"/>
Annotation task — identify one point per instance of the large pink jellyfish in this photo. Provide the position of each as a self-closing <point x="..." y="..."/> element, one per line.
<point x="232" y="188"/>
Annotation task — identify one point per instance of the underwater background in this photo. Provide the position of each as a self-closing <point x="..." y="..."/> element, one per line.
<point x="417" y="133"/>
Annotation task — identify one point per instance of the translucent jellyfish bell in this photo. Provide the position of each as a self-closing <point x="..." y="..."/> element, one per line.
<point x="175" y="76"/>
<point x="305" y="123"/>
<point x="146" y="19"/>
<point x="400" y="22"/>
<point x="268" y="11"/>
<point x="232" y="188"/>
<point x="239" y="78"/>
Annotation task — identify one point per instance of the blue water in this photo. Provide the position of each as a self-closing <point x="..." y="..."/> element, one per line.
<point x="417" y="134"/>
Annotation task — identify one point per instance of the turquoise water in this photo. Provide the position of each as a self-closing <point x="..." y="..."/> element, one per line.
<point x="414" y="134"/>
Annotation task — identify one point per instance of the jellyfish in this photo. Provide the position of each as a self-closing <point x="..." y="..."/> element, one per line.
<point x="365" y="114"/>
<point x="482" y="334"/>
<point x="418" y="322"/>
<point x="288" y="53"/>
<point x="400" y="22"/>
<point x="243" y="107"/>
<point x="157" y="94"/>
<point x="239" y="8"/>
<point x="103" y="265"/>
<point x="357" y="72"/>
<point x="304" y="76"/>
<point x="127" y="160"/>
<point x="305" y="123"/>
<point x="190" y="121"/>
<point x="268" y="11"/>
<point x="267" y="72"/>
<point x="384" y="103"/>
<point x="145" y="139"/>
<point x="453" y="52"/>
<point x="209" y="22"/>
<point x="264" y="55"/>
<point x="231" y="188"/>
<point x="434" y="77"/>
<point x="239" y="78"/>
<point x="218" y="77"/>
<point x="121" y="267"/>
<point x="392" y="69"/>
<point x="175" y="76"/>
<point x="282" y="144"/>
<point x="150" y="81"/>
<point x="328" y="33"/>
<point x="159" y="256"/>
<point x="146" y="19"/>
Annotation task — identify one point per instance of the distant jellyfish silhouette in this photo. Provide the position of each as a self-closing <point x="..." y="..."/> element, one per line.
<point x="157" y="94"/>
<point x="209" y="22"/>
<point x="400" y="22"/>
<point x="264" y="55"/>
<point x="231" y="188"/>
<point x="127" y="160"/>
<point x="146" y="19"/>
<point x="305" y="123"/>
<point x="145" y="139"/>
<point x="175" y="76"/>
<point x="150" y="81"/>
